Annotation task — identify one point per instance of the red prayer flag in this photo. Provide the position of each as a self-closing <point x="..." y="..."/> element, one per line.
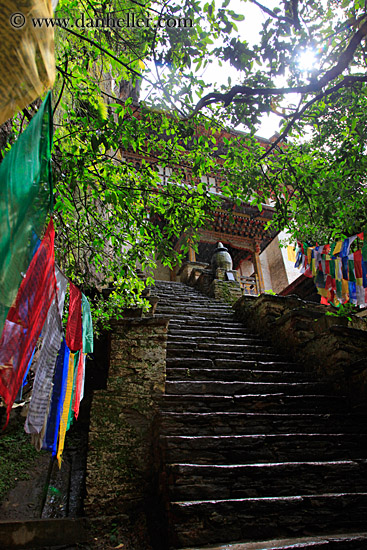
<point x="357" y="256"/>
<point x="74" y="325"/>
<point x="79" y="384"/>
<point x="26" y="318"/>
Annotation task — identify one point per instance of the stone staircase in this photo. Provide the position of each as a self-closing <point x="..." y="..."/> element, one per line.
<point x="253" y="448"/>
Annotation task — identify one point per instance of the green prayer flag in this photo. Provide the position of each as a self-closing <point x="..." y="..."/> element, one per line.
<point x="364" y="247"/>
<point x="332" y="268"/>
<point x="339" y="289"/>
<point x="25" y="201"/>
<point x="87" y="326"/>
<point x="352" y="277"/>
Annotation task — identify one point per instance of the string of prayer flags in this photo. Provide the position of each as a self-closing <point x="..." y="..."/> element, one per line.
<point x="26" y="318"/>
<point x="25" y="200"/>
<point x="339" y="275"/>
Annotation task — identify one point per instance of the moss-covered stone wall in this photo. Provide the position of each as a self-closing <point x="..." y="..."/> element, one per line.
<point x="119" y="470"/>
<point x="335" y="347"/>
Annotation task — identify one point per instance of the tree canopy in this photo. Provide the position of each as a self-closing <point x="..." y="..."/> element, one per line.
<point x="111" y="213"/>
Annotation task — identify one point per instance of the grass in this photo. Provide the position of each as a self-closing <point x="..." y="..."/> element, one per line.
<point x="16" y="456"/>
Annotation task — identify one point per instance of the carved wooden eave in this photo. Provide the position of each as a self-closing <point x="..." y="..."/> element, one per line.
<point x="241" y="226"/>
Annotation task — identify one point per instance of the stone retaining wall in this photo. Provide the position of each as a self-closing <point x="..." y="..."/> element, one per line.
<point x="334" y="347"/>
<point x="119" y="469"/>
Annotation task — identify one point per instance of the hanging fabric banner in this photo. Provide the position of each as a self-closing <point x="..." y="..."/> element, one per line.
<point x="74" y="324"/>
<point x="25" y="200"/>
<point x="27" y="59"/>
<point x="57" y="400"/>
<point x="66" y="409"/>
<point x="79" y="384"/>
<point x="71" y="409"/>
<point x="45" y="367"/>
<point x="26" y="318"/>
<point x="87" y="348"/>
<point x="87" y="326"/>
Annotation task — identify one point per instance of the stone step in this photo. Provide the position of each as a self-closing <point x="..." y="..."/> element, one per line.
<point x="348" y="541"/>
<point x="220" y="333"/>
<point x="243" y="449"/>
<point x="240" y="346"/>
<point x="214" y="521"/>
<point x="205" y="324"/>
<point x="237" y="423"/>
<point x="245" y="375"/>
<point x="203" y="387"/>
<point x="261" y="353"/>
<point x="270" y="403"/>
<point x="194" y="305"/>
<point x="199" y="340"/>
<point x="192" y="312"/>
<point x="203" y="362"/>
<point x="206" y="482"/>
<point x="280" y="363"/>
<point x="195" y="317"/>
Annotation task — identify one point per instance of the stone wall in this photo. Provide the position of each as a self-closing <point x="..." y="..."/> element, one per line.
<point x="334" y="347"/>
<point x="219" y="287"/>
<point x="226" y="291"/>
<point x="120" y="461"/>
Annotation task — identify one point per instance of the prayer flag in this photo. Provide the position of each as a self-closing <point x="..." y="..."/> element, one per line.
<point x="57" y="400"/>
<point x="291" y="253"/>
<point x="74" y="322"/>
<point x="65" y="409"/>
<point x="26" y="318"/>
<point x="337" y="248"/>
<point x="27" y="67"/>
<point x="42" y="385"/>
<point x="25" y="200"/>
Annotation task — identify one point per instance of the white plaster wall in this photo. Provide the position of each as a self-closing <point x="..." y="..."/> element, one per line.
<point x="266" y="271"/>
<point x="277" y="271"/>
<point x="161" y="273"/>
<point x="292" y="272"/>
<point x="246" y="268"/>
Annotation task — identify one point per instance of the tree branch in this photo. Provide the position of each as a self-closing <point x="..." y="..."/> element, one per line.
<point x="272" y="13"/>
<point x="313" y="87"/>
<point x="346" y="82"/>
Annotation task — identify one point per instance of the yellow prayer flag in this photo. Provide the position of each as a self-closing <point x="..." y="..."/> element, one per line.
<point x="313" y="267"/>
<point x="338" y="247"/>
<point x="291" y="254"/>
<point x="323" y="292"/>
<point x="27" y="59"/>
<point x="337" y="269"/>
<point x="66" y="408"/>
<point x="345" y="289"/>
